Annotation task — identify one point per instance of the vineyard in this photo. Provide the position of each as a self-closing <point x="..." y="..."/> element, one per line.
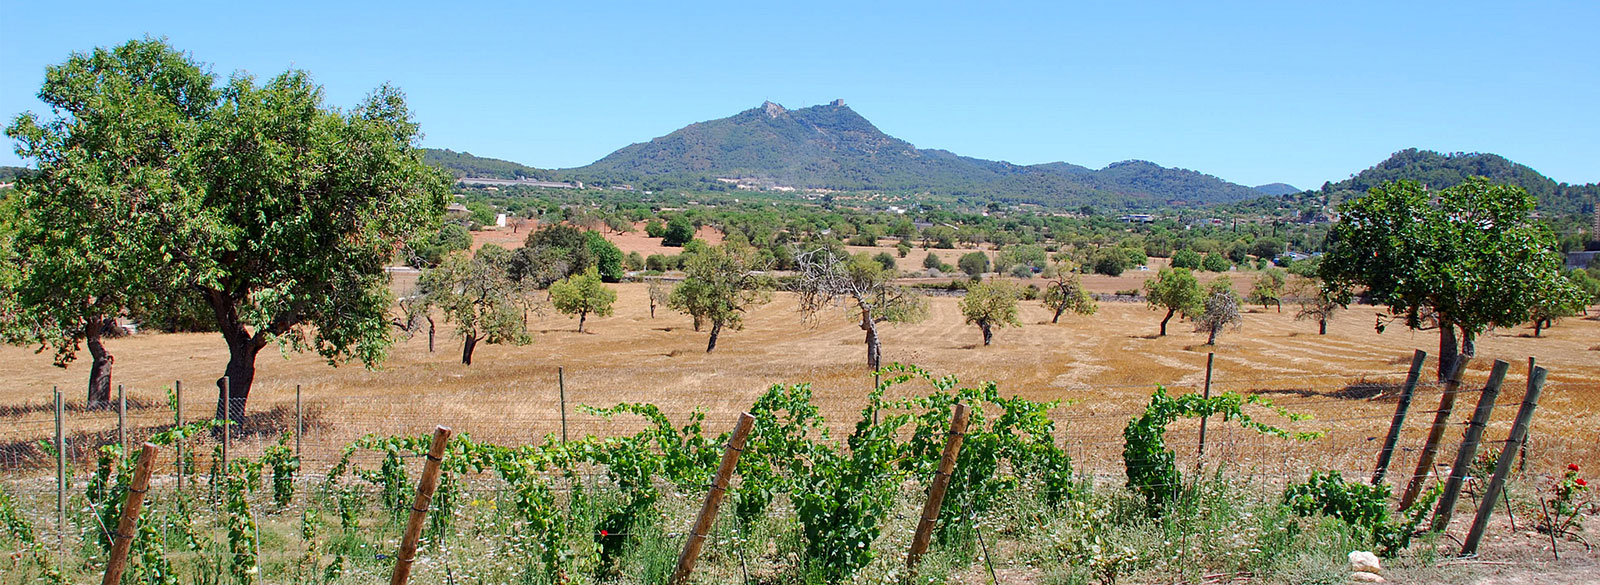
<point x="811" y="500"/>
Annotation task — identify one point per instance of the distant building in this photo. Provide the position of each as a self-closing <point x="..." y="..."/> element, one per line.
<point x="1579" y="260"/>
<point x="1138" y="218"/>
<point x="457" y="209"/>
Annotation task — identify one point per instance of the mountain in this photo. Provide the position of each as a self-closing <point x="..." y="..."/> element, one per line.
<point x="832" y="147"/>
<point x="464" y="164"/>
<point x="1440" y="171"/>
<point x="1277" y="189"/>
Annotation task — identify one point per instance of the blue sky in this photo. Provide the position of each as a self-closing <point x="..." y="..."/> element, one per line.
<point x="1251" y="92"/>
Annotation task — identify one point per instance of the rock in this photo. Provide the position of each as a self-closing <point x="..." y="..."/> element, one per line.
<point x="1365" y="577"/>
<point x="1364" y="562"/>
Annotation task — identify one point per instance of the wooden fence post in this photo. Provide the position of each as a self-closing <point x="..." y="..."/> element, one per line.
<point x="419" y="508"/>
<point x="1441" y="421"/>
<point x="130" y="515"/>
<point x="122" y="419"/>
<point x="61" y="477"/>
<point x="227" y="420"/>
<point x="941" y="483"/>
<point x="1206" y="393"/>
<point x="1387" y="454"/>
<point x="299" y="420"/>
<point x="708" y="510"/>
<point x="1469" y="447"/>
<point x="1502" y="468"/>
<point x="177" y="421"/>
<point x="561" y="383"/>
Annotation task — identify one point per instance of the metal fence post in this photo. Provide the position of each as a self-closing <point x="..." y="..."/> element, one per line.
<point x="561" y="383"/>
<point x="122" y="419"/>
<point x="177" y="419"/>
<point x="61" y="477"/>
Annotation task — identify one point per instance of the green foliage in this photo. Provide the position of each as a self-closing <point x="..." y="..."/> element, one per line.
<point x="1177" y="291"/>
<point x="1221" y="310"/>
<point x="1152" y="468"/>
<point x="1065" y="292"/>
<point x="989" y="305"/>
<point x="1364" y="507"/>
<point x="1215" y="263"/>
<point x="719" y="285"/>
<point x="1186" y="258"/>
<point x="679" y="232"/>
<point x="885" y="259"/>
<point x="451" y="237"/>
<point x="1268" y="288"/>
<point x="478" y="295"/>
<point x="581" y="295"/>
<point x="27" y="543"/>
<point x="243" y="542"/>
<point x="655" y="229"/>
<point x="932" y="261"/>
<point x="284" y="463"/>
<point x="974" y="263"/>
<point x="464" y="164"/>
<point x="607" y="257"/>
<point x="1413" y="250"/>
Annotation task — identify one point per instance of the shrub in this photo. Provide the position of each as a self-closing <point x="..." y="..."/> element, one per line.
<point x="1364" y="507"/>
<point x="1186" y="258"/>
<point x="974" y="263"/>
<point x="1215" y="263"/>
<point x="679" y="232"/>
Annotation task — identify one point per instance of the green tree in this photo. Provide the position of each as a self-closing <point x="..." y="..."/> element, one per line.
<point x="607" y="257"/>
<point x="80" y="251"/>
<point x="679" y="232"/>
<point x="974" y="263"/>
<point x="989" y="305"/>
<point x="886" y="260"/>
<point x="902" y="248"/>
<point x="1221" y="310"/>
<point x="634" y="261"/>
<point x="1187" y="259"/>
<point x="826" y="278"/>
<point x="1563" y="298"/>
<point x="278" y="211"/>
<point x="430" y="250"/>
<point x="1177" y="291"/>
<point x="554" y="252"/>
<point x="720" y="283"/>
<point x="931" y="261"/>
<point x="1065" y="292"/>
<point x="1268" y="288"/>
<point x="477" y="294"/>
<point x="1316" y="304"/>
<point x="1215" y="263"/>
<point x="582" y="294"/>
<point x="1459" y="260"/>
<point x="655" y="229"/>
<point x="1109" y="261"/>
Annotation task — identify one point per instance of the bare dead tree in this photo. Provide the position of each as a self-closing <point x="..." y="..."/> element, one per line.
<point x="1221" y="312"/>
<point x="862" y="286"/>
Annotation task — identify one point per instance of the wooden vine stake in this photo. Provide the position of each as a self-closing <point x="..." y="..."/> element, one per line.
<point x="1399" y="421"/>
<point x="708" y="510"/>
<point x="419" y="508"/>
<point x="1502" y="467"/>
<point x="1441" y="421"/>
<point x="941" y="482"/>
<point x="1469" y="447"/>
<point x="130" y="515"/>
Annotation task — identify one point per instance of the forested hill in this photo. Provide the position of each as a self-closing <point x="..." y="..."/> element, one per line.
<point x="833" y="147"/>
<point x="464" y="164"/>
<point x="1439" y="171"/>
<point x="1277" y="189"/>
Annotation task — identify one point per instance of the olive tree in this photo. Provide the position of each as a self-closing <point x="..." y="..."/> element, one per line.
<point x="1064" y="292"/>
<point x="83" y="246"/>
<point x="582" y="294"/>
<point x="720" y="283"/>
<point x="825" y="279"/>
<point x="1459" y="260"/>
<point x="1563" y="298"/>
<point x="989" y="305"/>
<point x="1177" y="291"/>
<point x="1221" y="310"/>
<point x="477" y="294"/>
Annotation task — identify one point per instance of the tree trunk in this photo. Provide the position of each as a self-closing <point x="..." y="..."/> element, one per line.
<point x="874" y="348"/>
<point x="716" y="328"/>
<point x="988" y="332"/>
<point x="100" y="367"/>
<point x="1469" y="343"/>
<point x="1212" y="340"/>
<point x="582" y="316"/>
<point x="240" y="375"/>
<point x="1322" y="326"/>
<point x="1059" y="310"/>
<point x="1447" y="347"/>
<point x="430" y="333"/>
<point x="1278" y="302"/>
<point x="652" y="309"/>
<point x="1538" y="327"/>
<point x="467" y="346"/>
<point x="1164" y="321"/>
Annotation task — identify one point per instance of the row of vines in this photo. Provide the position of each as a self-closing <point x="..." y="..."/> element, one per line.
<point x="608" y="509"/>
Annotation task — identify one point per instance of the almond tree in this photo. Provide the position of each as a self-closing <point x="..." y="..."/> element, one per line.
<point x="1316" y="304"/>
<point x="989" y="305"/>
<point x="1064" y="292"/>
<point x="1221" y="310"/>
<point x="826" y="278"/>
<point x="477" y="294"/>
<point x="582" y="294"/>
<point x="721" y="283"/>
<point x="1177" y="291"/>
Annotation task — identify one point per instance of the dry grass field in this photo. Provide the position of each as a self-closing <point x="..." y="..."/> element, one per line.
<point x="1105" y="365"/>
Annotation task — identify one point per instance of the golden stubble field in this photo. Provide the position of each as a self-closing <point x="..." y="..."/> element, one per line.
<point x="1106" y="364"/>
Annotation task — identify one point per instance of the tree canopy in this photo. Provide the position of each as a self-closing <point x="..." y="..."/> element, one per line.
<point x="720" y="283"/>
<point x="1177" y="291"/>
<point x="989" y="305"/>
<point x="476" y="293"/>
<point x="825" y="278"/>
<point x="1460" y="260"/>
<point x="581" y="295"/>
